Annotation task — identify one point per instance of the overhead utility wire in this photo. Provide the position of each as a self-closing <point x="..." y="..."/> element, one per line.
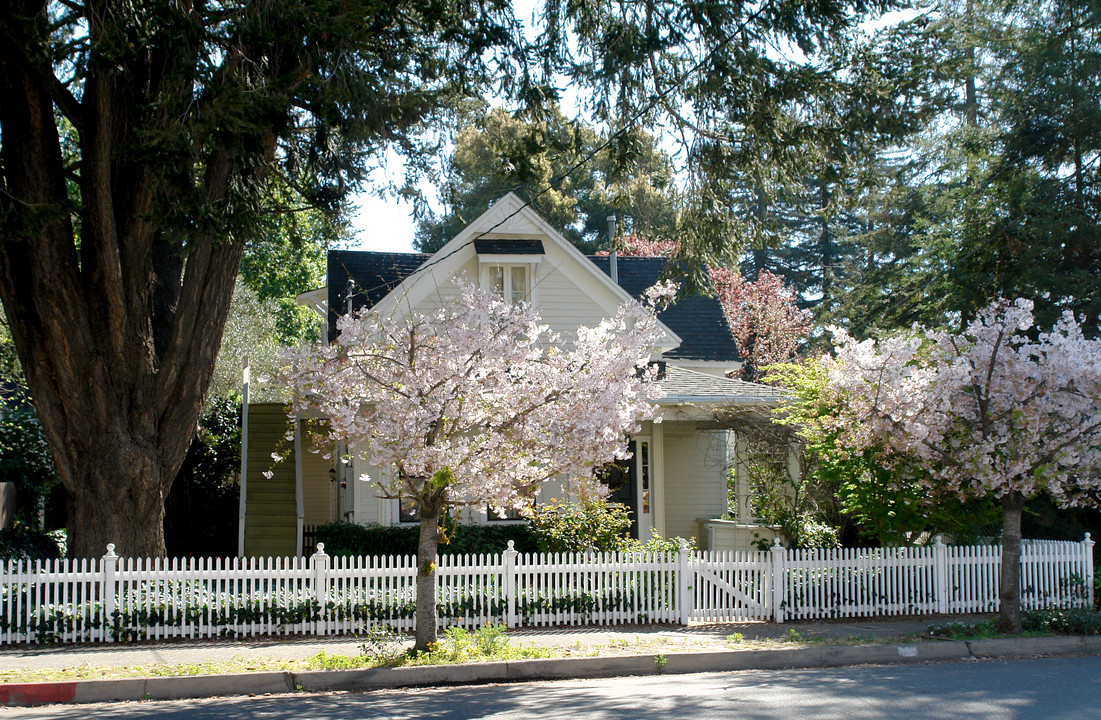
<point x="556" y="182"/>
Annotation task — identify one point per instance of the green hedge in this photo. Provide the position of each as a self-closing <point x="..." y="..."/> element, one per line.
<point x="20" y="542"/>
<point x="350" y="539"/>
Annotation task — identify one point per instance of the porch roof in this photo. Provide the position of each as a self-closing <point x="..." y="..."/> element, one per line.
<point x="682" y="385"/>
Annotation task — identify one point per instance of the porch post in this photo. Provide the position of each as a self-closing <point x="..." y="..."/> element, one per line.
<point x="657" y="478"/>
<point x="299" y="501"/>
<point x="243" y="503"/>
<point x="741" y="478"/>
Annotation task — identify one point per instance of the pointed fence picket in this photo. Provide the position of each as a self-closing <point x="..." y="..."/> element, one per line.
<point x="113" y="599"/>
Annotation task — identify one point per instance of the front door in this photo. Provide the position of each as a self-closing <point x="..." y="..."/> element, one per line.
<point x="622" y="481"/>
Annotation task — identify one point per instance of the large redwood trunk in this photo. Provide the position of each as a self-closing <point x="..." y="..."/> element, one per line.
<point x="1009" y="591"/>
<point x="105" y="504"/>
<point x="115" y="306"/>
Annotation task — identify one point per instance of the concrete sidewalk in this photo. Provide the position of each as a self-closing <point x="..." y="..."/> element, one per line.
<point x="692" y="638"/>
<point x="590" y="653"/>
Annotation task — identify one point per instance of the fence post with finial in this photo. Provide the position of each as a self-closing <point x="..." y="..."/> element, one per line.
<point x="319" y="588"/>
<point x="509" y="584"/>
<point x="1087" y="550"/>
<point x="779" y="579"/>
<point x="109" y="567"/>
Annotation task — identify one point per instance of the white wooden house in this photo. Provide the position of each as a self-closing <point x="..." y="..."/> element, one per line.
<point x="677" y="480"/>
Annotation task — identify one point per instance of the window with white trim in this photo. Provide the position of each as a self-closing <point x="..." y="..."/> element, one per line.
<point x="509" y="281"/>
<point x="509" y="514"/>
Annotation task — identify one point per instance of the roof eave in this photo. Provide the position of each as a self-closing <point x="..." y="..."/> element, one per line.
<point x="716" y="400"/>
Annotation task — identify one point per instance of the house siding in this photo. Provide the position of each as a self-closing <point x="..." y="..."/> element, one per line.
<point x="695" y="476"/>
<point x="366" y="500"/>
<point x="446" y="292"/>
<point x="562" y="304"/>
<point x="270" y="503"/>
<point x="317" y="499"/>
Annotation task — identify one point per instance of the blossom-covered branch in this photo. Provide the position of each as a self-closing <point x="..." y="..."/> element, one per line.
<point x="991" y="411"/>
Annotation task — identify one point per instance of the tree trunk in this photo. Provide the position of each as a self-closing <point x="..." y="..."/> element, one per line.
<point x="107" y="495"/>
<point x="1009" y="591"/>
<point x="117" y="321"/>
<point x="426" y="580"/>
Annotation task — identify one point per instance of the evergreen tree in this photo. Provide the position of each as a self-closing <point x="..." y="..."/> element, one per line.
<point x="499" y="152"/>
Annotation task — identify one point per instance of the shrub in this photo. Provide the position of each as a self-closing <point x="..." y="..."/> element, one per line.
<point x="576" y="527"/>
<point x="20" y="542"/>
<point x="25" y="460"/>
<point x="1068" y="621"/>
<point x="659" y="544"/>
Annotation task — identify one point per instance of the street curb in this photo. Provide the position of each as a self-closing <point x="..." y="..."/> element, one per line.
<point x="257" y="683"/>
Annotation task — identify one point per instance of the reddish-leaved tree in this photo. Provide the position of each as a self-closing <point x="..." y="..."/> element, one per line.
<point x="767" y="324"/>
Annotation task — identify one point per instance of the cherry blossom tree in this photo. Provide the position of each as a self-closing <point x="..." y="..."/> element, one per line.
<point x="767" y="324"/>
<point x="992" y="411"/>
<point x="479" y="404"/>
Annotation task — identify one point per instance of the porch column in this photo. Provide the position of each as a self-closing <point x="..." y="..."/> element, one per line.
<point x="299" y="501"/>
<point x="243" y="502"/>
<point x="741" y="478"/>
<point x="657" y="478"/>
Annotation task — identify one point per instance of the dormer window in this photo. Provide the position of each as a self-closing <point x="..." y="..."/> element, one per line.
<point x="511" y="282"/>
<point x="508" y="265"/>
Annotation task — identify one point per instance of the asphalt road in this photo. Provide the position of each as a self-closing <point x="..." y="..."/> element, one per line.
<point x="1032" y="689"/>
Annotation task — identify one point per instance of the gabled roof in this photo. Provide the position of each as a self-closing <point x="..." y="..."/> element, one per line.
<point x="699" y="321"/>
<point x="511" y="227"/>
<point x="366" y="276"/>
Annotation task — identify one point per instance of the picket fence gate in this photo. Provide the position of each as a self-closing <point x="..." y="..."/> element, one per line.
<point x="113" y="599"/>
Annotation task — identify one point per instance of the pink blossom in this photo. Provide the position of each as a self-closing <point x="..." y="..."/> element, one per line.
<point x="482" y="394"/>
<point x="990" y="410"/>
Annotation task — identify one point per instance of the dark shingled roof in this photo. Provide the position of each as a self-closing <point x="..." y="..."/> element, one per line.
<point x="372" y="276"/>
<point x="698" y="320"/>
<point x="509" y="246"/>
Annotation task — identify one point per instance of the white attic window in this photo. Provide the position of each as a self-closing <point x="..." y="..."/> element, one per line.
<point x="507" y="266"/>
<point x="511" y="281"/>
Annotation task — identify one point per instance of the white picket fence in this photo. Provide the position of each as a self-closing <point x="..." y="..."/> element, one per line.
<point x="123" y="599"/>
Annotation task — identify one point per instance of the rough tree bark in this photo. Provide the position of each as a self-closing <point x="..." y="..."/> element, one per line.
<point x="116" y="324"/>
<point x="1009" y="590"/>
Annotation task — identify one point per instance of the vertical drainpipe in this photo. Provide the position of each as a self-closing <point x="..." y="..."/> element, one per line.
<point x="611" y="244"/>
<point x="243" y="502"/>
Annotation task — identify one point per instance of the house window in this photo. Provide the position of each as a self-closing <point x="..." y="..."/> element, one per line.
<point x="508" y="514"/>
<point x="407" y="511"/>
<point x="511" y="282"/>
